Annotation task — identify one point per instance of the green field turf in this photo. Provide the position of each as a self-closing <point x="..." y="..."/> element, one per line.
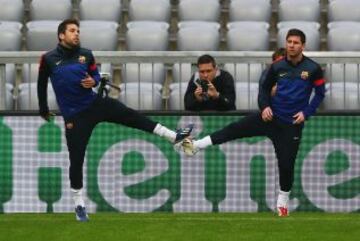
<point x="182" y="227"/>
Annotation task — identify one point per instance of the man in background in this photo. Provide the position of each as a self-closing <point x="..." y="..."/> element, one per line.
<point x="210" y="88"/>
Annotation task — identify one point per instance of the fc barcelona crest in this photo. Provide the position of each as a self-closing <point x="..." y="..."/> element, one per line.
<point x="82" y="59"/>
<point x="304" y="75"/>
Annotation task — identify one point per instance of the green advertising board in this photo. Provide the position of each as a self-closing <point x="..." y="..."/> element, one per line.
<point x="128" y="170"/>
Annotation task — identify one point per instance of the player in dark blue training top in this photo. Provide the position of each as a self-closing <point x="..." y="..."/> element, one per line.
<point x="73" y="74"/>
<point x="282" y="115"/>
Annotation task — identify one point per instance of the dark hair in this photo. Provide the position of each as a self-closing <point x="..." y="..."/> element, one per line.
<point x="62" y="26"/>
<point x="278" y="53"/>
<point x="296" y="32"/>
<point x="206" y="59"/>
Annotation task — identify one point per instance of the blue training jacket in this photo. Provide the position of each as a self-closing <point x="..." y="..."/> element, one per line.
<point x="295" y="84"/>
<point x="66" y="68"/>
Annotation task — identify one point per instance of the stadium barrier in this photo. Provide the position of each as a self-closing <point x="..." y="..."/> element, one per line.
<point x="342" y="70"/>
<point x="128" y="170"/>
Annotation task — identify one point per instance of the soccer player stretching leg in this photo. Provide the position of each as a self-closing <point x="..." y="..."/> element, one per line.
<point x="282" y="116"/>
<point x="73" y="73"/>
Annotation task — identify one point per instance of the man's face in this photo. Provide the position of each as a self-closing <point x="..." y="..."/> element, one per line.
<point x="294" y="46"/>
<point x="71" y="37"/>
<point x="207" y="71"/>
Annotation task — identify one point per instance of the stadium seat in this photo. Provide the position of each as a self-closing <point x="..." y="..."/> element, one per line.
<point x="248" y="24"/>
<point x="28" y="89"/>
<point x="199" y="10"/>
<point x="41" y="35"/>
<point x="342" y="73"/>
<point x="10" y="40"/>
<point x="343" y="86"/>
<point x="106" y="41"/>
<point x="246" y="96"/>
<point x="182" y="72"/>
<point x="343" y="24"/>
<point x="198" y="36"/>
<point x="50" y="10"/>
<point x="246" y="77"/>
<point x="147" y="36"/>
<point x="248" y="36"/>
<point x="30" y="73"/>
<point x="298" y="24"/>
<point x="336" y="40"/>
<point x="150" y="10"/>
<point x="9" y="99"/>
<point x="344" y="10"/>
<point x="311" y="30"/>
<point x="250" y="10"/>
<point x="10" y="73"/>
<point x="10" y="36"/>
<point x="146" y="96"/>
<point x="9" y="87"/>
<point x="245" y="72"/>
<point x="106" y="10"/>
<point x="27" y="98"/>
<point x="340" y="96"/>
<point x="295" y="10"/>
<point x="176" y="98"/>
<point x="143" y="73"/>
<point x="12" y="10"/>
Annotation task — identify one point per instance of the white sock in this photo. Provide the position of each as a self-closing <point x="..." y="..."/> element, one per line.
<point x="164" y="132"/>
<point x="78" y="197"/>
<point x="283" y="199"/>
<point x="203" y="143"/>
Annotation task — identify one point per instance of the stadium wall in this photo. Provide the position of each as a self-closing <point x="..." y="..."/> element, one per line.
<point x="130" y="171"/>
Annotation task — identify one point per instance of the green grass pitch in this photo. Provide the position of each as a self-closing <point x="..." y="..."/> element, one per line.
<point x="181" y="227"/>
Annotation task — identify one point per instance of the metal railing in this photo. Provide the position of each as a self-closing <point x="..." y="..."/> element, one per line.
<point x="335" y="64"/>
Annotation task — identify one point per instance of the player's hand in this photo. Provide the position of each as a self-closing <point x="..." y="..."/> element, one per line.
<point x="212" y="91"/>
<point x="299" y="118"/>
<point x="198" y="94"/>
<point x="47" y="115"/>
<point x="267" y="114"/>
<point x="88" y="82"/>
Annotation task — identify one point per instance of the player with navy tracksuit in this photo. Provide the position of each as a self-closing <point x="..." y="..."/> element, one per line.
<point x="282" y="116"/>
<point x="73" y="74"/>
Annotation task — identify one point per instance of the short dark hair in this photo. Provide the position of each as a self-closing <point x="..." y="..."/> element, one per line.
<point x="62" y="26"/>
<point x="206" y="59"/>
<point x="296" y="32"/>
<point x="278" y="53"/>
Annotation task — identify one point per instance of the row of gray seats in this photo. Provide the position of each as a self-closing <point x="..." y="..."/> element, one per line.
<point x="150" y="33"/>
<point x="188" y="10"/>
<point x="42" y="35"/>
<point x="192" y="35"/>
<point x="107" y="10"/>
